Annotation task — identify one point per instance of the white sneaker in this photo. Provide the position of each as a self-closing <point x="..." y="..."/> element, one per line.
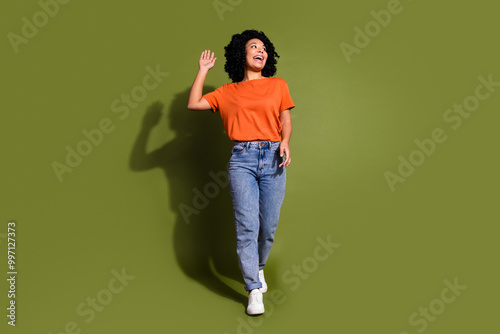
<point x="255" y="304"/>
<point x="263" y="281"/>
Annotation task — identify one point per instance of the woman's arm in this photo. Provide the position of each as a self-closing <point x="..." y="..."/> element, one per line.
<point x="196" y="100"/>
<point x="286" y="133"/>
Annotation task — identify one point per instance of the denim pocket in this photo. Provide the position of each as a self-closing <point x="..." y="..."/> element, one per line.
<point x="238" y="148"/>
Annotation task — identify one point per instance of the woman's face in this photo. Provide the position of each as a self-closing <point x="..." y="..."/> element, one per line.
<point x="256" y="55"/>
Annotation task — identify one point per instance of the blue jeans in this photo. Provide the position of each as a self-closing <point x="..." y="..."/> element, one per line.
<point x="257" y="186"/>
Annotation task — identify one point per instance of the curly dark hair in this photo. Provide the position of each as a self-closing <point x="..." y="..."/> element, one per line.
<point x="236" y="55"/>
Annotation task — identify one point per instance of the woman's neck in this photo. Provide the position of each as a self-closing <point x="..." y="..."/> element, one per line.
<point x="251" y="75"/>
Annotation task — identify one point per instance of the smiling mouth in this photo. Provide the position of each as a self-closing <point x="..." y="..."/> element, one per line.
<point x="260" y="58"/>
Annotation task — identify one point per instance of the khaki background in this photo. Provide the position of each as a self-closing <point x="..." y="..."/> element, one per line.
<point x="123" y="207"/>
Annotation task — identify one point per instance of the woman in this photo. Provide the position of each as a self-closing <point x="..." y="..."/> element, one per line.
<point x="255" y="110"/>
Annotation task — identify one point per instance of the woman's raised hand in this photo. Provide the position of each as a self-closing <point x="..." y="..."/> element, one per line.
<point x="207" y="61"/>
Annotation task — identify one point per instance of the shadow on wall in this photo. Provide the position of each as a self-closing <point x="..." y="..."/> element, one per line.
<point x="195" y="165"/>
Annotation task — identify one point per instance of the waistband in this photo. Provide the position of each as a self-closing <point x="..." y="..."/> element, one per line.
<point x="258" y="144"/>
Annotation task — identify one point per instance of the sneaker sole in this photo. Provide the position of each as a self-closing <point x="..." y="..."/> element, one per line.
<point x="255" y="312"/>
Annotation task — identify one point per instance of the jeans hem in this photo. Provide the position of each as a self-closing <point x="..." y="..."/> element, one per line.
<point x="253" y="286"/>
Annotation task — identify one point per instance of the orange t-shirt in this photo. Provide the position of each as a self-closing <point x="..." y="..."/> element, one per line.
<point x="250" y="109"/>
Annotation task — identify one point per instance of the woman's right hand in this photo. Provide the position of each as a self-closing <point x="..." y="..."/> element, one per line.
<point x="207" y="61"/>
<point x="196" y="100"/>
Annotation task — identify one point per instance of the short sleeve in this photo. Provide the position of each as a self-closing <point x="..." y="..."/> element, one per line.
<point x="214" y="99"/>
<point x="286" y="99"/>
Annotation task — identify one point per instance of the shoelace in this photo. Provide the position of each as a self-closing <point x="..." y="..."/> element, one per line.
<point x="255" y="298"/>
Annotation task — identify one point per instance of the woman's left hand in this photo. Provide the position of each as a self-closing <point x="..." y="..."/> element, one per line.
<point x="285" y="154"/>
